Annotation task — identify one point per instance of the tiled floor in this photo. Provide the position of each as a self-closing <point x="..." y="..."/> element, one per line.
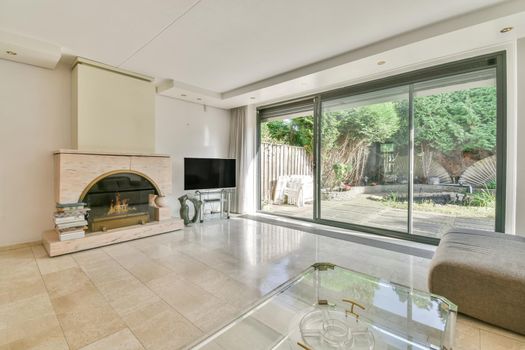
<point x="157" y="293"/>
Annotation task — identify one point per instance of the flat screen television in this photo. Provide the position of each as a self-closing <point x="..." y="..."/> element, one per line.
<point x="208" y="173"/>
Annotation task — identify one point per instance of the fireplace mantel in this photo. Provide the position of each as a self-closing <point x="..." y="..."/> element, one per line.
<point x="75" y="170"/>
<point x="105" y="153"/>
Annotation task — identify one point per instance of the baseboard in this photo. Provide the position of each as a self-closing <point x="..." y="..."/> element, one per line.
<point x="20" y="245"/>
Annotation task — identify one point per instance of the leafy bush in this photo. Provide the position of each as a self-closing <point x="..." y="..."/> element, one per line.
<point x="491" y="185"/>
<point x="341" y="171"/>
<point x="393" y="197"/>
<point x="483" y="198"/>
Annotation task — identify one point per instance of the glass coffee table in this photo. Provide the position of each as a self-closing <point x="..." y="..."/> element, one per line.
<point x="330" y="307"/>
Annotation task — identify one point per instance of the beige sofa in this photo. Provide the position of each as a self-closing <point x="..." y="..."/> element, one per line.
<point x="484" y="274"/>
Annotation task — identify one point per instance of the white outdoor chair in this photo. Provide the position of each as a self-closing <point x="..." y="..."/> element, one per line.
<point x="299" y="190"/>
<point x="280" y="186"/>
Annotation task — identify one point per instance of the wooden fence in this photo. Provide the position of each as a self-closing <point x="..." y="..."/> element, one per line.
<point x="278" y="160"/>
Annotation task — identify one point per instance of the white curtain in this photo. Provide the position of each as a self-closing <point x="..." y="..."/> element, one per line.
<point x="242" y="148"/>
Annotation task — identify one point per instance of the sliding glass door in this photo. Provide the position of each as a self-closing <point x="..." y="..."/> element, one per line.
<point x="364" y="159"/>
<point x="455" y="128"/>
<point x="410" y="156"/>
<point x="286" y="163"/>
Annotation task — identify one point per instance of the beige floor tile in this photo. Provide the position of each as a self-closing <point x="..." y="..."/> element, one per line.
<point x="26" y="309"/>
<point x="217" y="259"/>
<point x="490" y="328"/>
<point x="41" y="342"/>
<point x="230" y="290"/>
<point x="91" y="257"/>
<point x="215" y="317"/>
<point x="88" y="325"/>
<point x="183" y="264"/>
<point x="188" y="299"/>
<point x="157" y="240"/>
<point x="15" y="262"/>
<point x="122" y="340"/>
<point x="117" y="285"/>
<point x="493" y="341"/>
<point x="83" y="313"/>
<point x="107" y="272"/>
<point x="3" y="333"/>
<point x="25" y="284"/>
<point x="4" y="297"/>
<point x="148" y="271"/>
<point x="154" y="250"/>
<point x="39" y="251"/>
<point x="37" y="333"/>
<point x="158" y="326"/>
<point x="120" y="288"/>
<point x="80" y="300"/>
<point x="127" y="261"/>
<point x="206" y="277"/>
<point x="50" y="265"/>
<point x="17" y="256"/>
<point x="130" y="299"/>
<point x="121" y="250"/>
<point x="141" y="266"/>
<point x="467" y="336"/>
<point x="66" y="282"/>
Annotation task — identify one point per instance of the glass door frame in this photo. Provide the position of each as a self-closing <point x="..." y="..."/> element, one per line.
<point x="283" y="109"/>
<point x="495" y="60"/>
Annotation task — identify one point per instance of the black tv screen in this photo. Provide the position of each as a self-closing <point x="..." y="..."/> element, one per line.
<point x="208" y="173"/>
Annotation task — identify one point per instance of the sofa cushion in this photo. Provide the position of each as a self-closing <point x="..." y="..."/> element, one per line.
<point x="484" y="274"/>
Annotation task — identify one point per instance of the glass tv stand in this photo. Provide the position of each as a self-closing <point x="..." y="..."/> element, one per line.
<point x="330" y="307"/>
<point x="211" y="197"/>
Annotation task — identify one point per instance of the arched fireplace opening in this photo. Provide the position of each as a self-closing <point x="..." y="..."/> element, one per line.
<point x="118" y="200"/>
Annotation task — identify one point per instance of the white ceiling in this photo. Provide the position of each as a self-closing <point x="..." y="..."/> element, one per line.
<point x="211" y="47"/>
<point x="221" y="45"/>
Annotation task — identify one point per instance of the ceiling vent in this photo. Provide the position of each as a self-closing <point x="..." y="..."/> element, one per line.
<point x="26" y="50"/>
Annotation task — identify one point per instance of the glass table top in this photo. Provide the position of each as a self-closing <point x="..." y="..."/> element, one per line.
<point x="330" y="307"/>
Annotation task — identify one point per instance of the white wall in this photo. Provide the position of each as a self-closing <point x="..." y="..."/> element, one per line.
<point x="35" y="112"/>
<point x="185" y="129"/>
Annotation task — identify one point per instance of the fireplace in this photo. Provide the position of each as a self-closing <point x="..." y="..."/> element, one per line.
<point x="126" y="193"/>
<point x="119" y="199"/>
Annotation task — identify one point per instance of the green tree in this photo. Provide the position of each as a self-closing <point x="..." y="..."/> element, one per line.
<point x="449" y="125"/>
<point x="294" y="132"/>
<point x="357" y="129"/>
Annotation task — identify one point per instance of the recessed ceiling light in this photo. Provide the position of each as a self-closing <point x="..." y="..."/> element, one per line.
<point x="506" y="29"/>
<point x="183" y="95"/>
<point x="12" y="53"/>
<point x="380" y="63"/>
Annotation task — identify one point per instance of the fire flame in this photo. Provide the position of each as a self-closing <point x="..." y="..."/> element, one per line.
<point x="119" y="206"/>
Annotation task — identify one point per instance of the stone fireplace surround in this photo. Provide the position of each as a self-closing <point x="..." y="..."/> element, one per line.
<point x="76" y="171"/>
